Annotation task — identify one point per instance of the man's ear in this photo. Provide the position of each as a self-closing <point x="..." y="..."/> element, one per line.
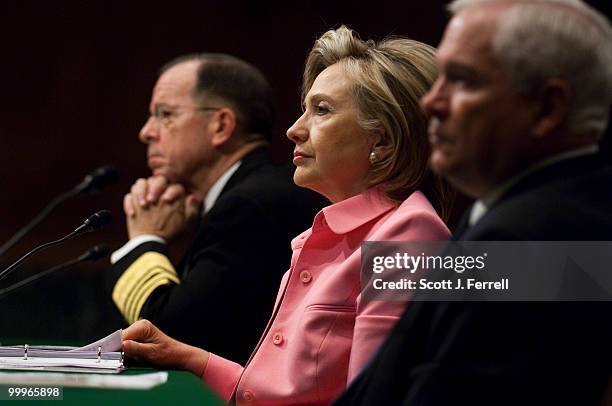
<point x="553" y="105"/>
<point x="224" y="126"/>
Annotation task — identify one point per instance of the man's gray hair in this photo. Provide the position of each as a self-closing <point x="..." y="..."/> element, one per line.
<point x="565" y="39"/>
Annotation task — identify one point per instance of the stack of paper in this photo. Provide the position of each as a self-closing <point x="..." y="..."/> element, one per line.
<point x="102" y="356"/>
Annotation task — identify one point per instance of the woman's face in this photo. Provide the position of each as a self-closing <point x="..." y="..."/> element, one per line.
<point x="331" y="149"/>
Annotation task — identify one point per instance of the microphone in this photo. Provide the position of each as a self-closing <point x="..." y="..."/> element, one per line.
<point x="93" y="254"/>
<point x="98" y="180"/>
<point x="92" y="223"/>
<point x="94" y="182"/>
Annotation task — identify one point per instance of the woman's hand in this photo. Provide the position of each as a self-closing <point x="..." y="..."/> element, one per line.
<point x="145" y="342"/>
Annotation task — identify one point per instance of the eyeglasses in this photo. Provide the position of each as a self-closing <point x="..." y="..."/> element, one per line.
<point x="165" y="115"/>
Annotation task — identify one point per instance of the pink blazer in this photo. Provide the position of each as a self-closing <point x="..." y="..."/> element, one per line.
<point x="320" y="334"/>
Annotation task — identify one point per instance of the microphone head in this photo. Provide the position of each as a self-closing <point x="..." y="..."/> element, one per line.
<point x="98" y="179"/>
<point x="96" y="252"/>
<point x="97" y="220"/>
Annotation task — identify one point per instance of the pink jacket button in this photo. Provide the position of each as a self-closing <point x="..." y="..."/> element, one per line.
<point x="248" y="396"/>
<point x="277" y="339"/>
<point x="305" y="276"/>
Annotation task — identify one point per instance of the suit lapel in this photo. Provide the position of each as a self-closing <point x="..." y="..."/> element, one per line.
<point x="250" y="162"/>
<point x="557" y="172"/>
<point x="256" y="158"/>
<point x="462" y="226"/>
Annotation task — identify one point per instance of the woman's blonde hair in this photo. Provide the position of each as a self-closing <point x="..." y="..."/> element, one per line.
<point x="389" y="78"/>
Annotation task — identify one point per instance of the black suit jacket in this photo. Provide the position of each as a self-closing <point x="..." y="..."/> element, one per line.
<point x="507" y="353"/>
<point x="232" y="270"/>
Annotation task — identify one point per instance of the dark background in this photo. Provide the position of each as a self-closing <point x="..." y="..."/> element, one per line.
<point x="76" y="80"/>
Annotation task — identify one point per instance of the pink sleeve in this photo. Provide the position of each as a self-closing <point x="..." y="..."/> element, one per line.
<point x="372" y="325"/>
<point x="375" y="318"/>
<point x="222" y="376"/>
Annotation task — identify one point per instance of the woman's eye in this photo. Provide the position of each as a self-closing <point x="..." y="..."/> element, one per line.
<point x="320" y="110"/>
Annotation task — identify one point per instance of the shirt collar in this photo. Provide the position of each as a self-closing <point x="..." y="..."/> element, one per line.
<point x="217" y="187"/>
<point x="347" y="215"/>
<point x="482" y="205"/>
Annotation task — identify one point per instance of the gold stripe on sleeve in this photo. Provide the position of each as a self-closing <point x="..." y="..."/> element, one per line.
<point x="139" y="296"/>
<point x="147" y="273"/>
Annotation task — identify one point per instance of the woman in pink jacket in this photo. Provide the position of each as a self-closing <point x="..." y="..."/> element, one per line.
<point x="362" y="143"/>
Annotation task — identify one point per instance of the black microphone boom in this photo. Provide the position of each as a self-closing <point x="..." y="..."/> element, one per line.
<point x="92" y="254"/>
<point x="92" y="223"/>
<point x="94" y="182"/>
<point x="95" y="253"/>
<point x="98" y="180"/>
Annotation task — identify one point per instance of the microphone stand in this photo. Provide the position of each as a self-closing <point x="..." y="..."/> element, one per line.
<point x="8" y="270"/>
<point x="37" y="219"/>
<point x="93" y="254"/>
<point x="95" y="181"/>
<point x="92" y="223"/>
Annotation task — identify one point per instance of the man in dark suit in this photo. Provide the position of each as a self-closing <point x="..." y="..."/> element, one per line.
<point x="206" y="137"/>
<point x="523" y="96"/>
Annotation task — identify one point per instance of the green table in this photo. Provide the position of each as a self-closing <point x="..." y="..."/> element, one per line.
<point x="182" y="388"/>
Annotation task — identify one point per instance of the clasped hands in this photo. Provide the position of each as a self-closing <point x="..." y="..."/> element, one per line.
<point x="155" y="206"/>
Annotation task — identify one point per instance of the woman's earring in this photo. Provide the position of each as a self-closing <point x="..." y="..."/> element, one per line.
<point x="373" y="157"/>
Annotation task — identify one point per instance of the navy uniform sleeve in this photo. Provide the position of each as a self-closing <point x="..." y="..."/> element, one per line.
<point x="227" y="290"/>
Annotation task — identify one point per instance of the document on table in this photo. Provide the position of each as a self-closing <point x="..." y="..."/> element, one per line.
<point x="102" y="356"/>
